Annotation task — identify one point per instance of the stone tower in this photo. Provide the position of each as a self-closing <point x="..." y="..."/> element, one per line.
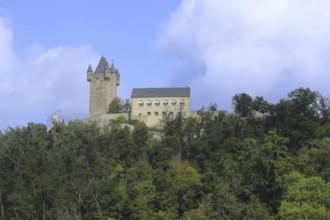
<point x="103" y="87"/>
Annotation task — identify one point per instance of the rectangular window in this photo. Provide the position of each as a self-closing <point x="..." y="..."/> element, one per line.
<point x="181" y="102"/>
<point x="156" y="113"/>
<point x="164" y="114"/>
<point x="149" y="113"/>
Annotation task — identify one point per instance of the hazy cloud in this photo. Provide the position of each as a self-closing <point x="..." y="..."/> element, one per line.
<point x="6" y="53"/>
<point x="45" y="80"/>
<point x="260" y="47"/>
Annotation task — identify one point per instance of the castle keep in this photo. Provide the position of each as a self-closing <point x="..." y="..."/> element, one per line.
<point x="102" y="87"/>
<point x="148" y="105"/>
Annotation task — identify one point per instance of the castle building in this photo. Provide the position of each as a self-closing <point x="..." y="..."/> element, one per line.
<point x="103" y="85"/>
<point x="148" y="105"/>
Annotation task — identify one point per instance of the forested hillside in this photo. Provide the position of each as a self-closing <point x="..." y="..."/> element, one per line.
<point x="244" y="165"/>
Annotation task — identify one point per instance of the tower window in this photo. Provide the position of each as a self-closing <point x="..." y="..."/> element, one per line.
<point x="149" y="103"/>
<point x="165" y="103"/>
<point x="157" y="103"/>
<point x="181" y="102"/>
<point x="173" y="102"/>
<point x="140" y="103"/>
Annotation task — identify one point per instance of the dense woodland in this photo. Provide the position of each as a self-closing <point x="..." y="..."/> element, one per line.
<point x="240" y="165"/>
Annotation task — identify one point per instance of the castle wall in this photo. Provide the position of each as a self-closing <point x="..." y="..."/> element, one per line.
<point x="102" y="92"/>
<point x="105" y="119"/>
<point x="112" y="92"/>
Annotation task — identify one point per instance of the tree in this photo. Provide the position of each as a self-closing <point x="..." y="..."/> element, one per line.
<point x="185" y="183"/>
<point x="141" y="205"/>
<point x="242" y="104"/>
<point x="114" y="197"/>
<point x="308" y="103"/>
<point x="318" y="157"/>
<point x="118" y="105"/>
<point x="205" y="117"/>
<point x="225" y="203"/>
<point x="305" y="198"/>
<point x="306" y="110"/>
<point x="278" y="117"/>
<point x="173" y="134"/>
<point x="239" y="167"/>
<point x="115" y="106"/>
<point x="141" y="191"/>
<point x="122" y="147"/>
<point x="260" y="104"/>
<point x="271" y="166"/>
<point x="140" y="136"/>
<point x="126" y="106"/>
<point x="203" y="212"/>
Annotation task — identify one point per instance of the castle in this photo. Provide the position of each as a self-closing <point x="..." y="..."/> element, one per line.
<point x="148" y="105"/>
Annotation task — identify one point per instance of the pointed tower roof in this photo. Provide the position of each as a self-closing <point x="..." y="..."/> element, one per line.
<point x="89" y="69"/>
<point x="102" y="66"/>
<point x="107" y="67"/>
<point x="117" y="72"/>
<point x="113" y="69"/>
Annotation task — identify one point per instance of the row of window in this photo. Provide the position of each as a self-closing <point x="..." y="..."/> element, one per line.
<point x="157" y="103"/>
<point x="157" y="114"/>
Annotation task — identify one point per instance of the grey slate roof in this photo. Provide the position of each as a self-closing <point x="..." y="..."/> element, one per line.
<point x="113" y="69"/>
<point x="102" y="66"/>
<point x="117" y="72"/>
<point x="89" y="69"/>
<point x="107" y="67"/>
<point x="160" y="92"/>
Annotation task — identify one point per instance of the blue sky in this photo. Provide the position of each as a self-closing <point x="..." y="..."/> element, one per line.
<point x="217" y="47"/>
<point x="48" y="32"/>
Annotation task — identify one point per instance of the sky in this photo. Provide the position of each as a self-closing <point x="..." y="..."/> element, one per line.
<point x="216" y="47"/>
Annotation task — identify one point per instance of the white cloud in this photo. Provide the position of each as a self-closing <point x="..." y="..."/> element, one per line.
<point x="259" y="47"/>
<point x="6" y="53"/>
<point x="47" y="79"/>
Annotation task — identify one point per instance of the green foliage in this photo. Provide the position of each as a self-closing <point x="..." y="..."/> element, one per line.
<point x="242" y="104"/>
<point x="305" y="198"/>
<point x="118" y="121"/>
<point x="297" y="210"/>
<point x="261" y="105"/>
<point x="215" y="166"/>
<point x="140" y="137"/>
<point x="185" y="184"/>
<point x="115" y="106"/>
<point x="118" y="105"/>
<point x="203" y="212"/>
